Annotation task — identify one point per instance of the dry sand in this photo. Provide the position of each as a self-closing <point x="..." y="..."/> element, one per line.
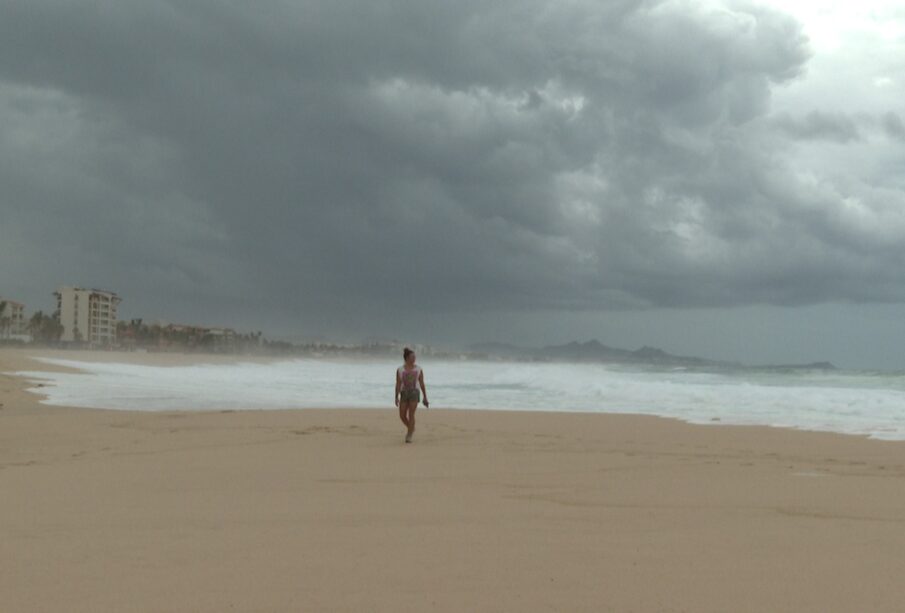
<point x="328" y="510"/>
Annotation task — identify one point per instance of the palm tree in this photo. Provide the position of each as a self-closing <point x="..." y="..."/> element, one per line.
<point x="44" y="328"/>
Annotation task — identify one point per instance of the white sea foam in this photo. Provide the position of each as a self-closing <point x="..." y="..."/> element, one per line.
<point x="853" y="403"/>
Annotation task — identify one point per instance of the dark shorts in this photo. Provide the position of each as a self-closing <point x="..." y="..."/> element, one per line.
<point x="410" y="396"/>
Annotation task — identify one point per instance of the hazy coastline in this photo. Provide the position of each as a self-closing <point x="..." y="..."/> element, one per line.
<point x="811" y="399"/>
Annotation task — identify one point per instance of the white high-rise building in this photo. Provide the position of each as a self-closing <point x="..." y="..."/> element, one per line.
<point x="87" y="315"/>
<point x="12" y="322"/>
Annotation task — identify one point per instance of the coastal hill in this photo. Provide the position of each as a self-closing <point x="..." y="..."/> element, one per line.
<point x="591" y="351"/>
<point x="595" y="351"/>
<point x="138" y="336"/>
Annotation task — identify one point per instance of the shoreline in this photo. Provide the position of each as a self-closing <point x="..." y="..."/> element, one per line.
<point x="13" y="361"/>
<point x="328" y="509"/>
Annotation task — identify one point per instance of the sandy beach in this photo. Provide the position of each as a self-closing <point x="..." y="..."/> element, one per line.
<point x="328" y="510"/>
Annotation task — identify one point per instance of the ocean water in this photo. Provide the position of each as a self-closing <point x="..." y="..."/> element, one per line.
<point x="866" y="403"/>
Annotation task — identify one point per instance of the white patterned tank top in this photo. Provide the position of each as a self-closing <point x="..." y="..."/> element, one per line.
<point x="409" y="378"/>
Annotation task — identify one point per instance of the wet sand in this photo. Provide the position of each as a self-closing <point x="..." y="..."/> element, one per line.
<point x="328" y="510"/>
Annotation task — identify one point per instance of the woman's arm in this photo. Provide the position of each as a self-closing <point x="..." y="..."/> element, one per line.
<point x="423" y="390"/>
<point x="398" y="385"/>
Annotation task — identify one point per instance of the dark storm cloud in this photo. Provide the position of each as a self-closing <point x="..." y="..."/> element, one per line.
<point x="815" y="125"/>
<point x="893" y="126"/>
<point x="347" y="157"/>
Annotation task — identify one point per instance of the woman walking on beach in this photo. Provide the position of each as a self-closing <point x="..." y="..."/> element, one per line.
<point x="409" y="377"/>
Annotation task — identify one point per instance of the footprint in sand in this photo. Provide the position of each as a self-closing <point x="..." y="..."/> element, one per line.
<point x="329" y="430"/>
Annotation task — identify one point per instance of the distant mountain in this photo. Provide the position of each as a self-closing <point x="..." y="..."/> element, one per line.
<point x="589" y="351"/>
<point x="811" y="366"/>
<point x="595" y="351"/>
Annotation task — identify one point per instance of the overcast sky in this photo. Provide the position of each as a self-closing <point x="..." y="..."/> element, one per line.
<point x="711" y="177"/>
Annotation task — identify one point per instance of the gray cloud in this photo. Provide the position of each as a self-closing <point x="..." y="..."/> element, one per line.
<point x="893" y="126"/>
<point x="816" y="125"/>
<point x="332" y="161"/>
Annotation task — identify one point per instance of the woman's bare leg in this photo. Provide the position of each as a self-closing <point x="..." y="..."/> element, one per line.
<point x="403" y="413"/>
<point x="411" y="416"/>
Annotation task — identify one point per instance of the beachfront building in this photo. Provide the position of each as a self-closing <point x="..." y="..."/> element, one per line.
<point x="87" y="315"/>
<point x="220" y="339"/>
<point x="187" y="336"/>
<point x="12" y="319"/>
<point x="162" y="336"/>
